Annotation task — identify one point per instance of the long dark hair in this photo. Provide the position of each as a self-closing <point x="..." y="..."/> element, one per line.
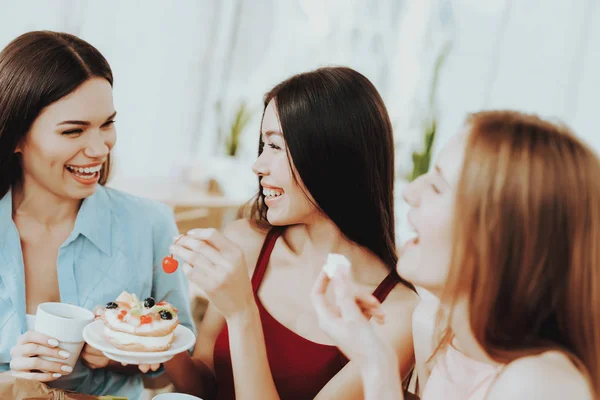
<point x="37" y="69"/>
<point x="339" y="136"/>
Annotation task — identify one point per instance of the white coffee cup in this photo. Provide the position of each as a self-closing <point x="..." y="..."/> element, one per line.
<point x="30" y="322"/>
<point x="175" y="396"/>
<point x="65" y="323"/>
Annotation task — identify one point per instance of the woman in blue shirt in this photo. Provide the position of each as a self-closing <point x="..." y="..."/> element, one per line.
<point x="63" y="235"/>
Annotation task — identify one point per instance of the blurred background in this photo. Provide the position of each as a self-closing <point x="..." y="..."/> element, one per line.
<point x="190" y="76"/>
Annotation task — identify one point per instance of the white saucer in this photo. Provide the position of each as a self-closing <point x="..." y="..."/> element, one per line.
<point x="93" y="334"/>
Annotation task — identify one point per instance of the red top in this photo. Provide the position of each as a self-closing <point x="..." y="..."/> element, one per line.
<point x="300" y="368"/>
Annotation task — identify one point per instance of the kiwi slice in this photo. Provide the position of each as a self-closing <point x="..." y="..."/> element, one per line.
<point x="136" y="311"/>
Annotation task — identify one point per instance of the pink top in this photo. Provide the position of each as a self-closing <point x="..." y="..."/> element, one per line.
<point x="458" y="377"/>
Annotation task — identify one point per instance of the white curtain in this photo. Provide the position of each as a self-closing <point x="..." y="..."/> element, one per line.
<point x="174" y="60"/>
<point x="530" y="55"/>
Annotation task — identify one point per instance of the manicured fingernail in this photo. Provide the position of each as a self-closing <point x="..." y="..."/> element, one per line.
<point x="64" y="354"/>
<point x="200" y="233"/>
<point x="56" y="375"/>
<point x="53" y="342"/>
<point x="66" y="368"/>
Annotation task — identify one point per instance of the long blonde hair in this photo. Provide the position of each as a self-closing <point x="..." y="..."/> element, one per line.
<point x="526" y="251"/>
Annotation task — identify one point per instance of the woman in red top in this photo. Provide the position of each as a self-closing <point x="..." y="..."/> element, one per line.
<point x="326" y="175"/>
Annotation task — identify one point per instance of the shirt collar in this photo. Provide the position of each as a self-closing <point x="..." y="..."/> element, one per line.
<point x="11" y="264"/>
<point x="94" y="220"/>
<point x="6" y="221"/>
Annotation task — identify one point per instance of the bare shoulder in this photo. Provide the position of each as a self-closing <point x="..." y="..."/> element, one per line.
<point x="242" y="231"/>
<point x="397" y="329"/>
<point x="248" y="237"/>
<point x="402" y="300"/>
<point x="547" y="376"/>
<point x="399" y="306"/>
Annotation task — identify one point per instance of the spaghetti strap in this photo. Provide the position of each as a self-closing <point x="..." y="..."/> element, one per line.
<point x="299" y="366"/>
<point x="381" y="292"/>
<point x="386" y="286"/>
<point x="264" y="256"/>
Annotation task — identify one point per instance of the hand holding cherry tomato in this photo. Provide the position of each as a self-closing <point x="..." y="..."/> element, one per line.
<point x="170" y="264"/>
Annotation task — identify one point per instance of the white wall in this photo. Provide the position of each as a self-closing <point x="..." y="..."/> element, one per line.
<point x="532" y="55"/>
<point x="173" y="60"/>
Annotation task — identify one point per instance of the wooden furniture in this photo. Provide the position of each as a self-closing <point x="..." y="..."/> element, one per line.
<point x="194" y="205"/>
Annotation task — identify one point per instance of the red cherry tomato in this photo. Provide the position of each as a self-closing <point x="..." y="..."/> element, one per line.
<point x="169" y="264"/>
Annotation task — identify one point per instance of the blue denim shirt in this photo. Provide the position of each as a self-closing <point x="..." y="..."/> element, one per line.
<point x="117" y="244"/>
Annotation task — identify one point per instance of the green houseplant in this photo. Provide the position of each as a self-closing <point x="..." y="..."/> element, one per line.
<point x="229" y="134"/>
<point x="422" y="159"/>
<point x="227" y="171"/>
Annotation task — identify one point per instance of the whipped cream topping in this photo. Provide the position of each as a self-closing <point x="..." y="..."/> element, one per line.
<point x="148" y="341"/>
<point x="130" y="323"/>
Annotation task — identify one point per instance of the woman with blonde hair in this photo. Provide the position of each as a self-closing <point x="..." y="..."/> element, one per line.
<point x="508" y="226"/>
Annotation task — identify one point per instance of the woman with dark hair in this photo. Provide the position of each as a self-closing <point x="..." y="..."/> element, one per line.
<point x="64" y="237"/>
<point x="325" y="169"/>
<point x="508" y="226"/>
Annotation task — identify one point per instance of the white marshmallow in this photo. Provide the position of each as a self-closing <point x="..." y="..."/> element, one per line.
<point x="333" y="261"/>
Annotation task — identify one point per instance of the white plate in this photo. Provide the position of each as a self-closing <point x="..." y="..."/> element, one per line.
<point x="93" y="334"/>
